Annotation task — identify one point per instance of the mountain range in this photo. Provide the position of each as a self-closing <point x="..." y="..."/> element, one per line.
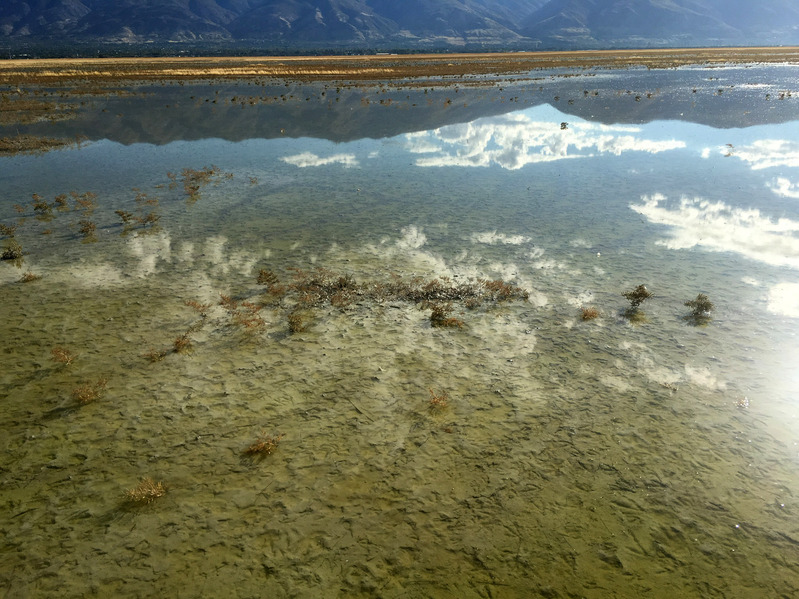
<point x="406" y="24"/>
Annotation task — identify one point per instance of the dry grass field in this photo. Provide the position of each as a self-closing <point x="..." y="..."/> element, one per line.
<point x="366" y="68"/>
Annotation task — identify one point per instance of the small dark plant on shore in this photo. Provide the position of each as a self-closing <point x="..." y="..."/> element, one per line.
<point x="701" y="307"/>
<point x="146" y="492"/>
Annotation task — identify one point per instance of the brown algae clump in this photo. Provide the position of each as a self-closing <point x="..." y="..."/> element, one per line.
<point x="146" y="492"/>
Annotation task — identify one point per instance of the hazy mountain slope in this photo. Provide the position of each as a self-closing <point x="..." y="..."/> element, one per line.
<point x="518" y="24"/>
<point x="40" y="17"/>
<point x="338" y="21"/>
<point x="661" y="22"/>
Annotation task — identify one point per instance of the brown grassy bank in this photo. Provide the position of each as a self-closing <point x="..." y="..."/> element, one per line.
<point x="365" y="68"/>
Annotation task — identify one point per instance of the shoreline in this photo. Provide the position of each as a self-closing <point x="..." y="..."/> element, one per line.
<point x="374" y="67"/>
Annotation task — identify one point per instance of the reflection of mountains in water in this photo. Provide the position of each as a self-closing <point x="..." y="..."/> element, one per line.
<point x="720" y="98"/>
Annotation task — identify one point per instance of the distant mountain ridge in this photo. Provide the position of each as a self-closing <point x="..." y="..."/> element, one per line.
<point x="446" y="24"/>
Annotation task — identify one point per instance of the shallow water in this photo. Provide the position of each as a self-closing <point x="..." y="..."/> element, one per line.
<point x="601" y="458"/>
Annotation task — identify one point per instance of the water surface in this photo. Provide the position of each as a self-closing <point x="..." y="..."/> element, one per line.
<point x="616" y="457"/>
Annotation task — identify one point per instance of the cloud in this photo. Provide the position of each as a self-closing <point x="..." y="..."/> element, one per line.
<point x="766" y="153"/>
<point x="783" y="299"/>
<point x="306" y="159"/>
<point x="784" y="188"/>
<point x="515" y="140"/>
<point x="722" y="228"/>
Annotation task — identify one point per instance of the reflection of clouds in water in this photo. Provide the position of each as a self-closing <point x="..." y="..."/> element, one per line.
<point x="783" y="299"/>
<point x="149" y="249"/>
<point x="651" y="366"/>
<point x="305" y="159"/>
<point x="765" y="153"/>
<point x="493" y="238"/>
<point x="513" y="141"/>
<point x="220" y="256"/>
<point x="784" y="188"/>
<point x="702" y="377"/>
<point x="722" y="228"/>
<point x="149" y="254"/>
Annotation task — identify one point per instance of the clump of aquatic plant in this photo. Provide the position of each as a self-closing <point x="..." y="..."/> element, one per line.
<point x="12" y="251"/>
<point x="297" y="320"/>
<point x="274" y="288"/>
<point x="43" y="210"/>
<point x="439" y="316"/>
<point x="88" y="229"/>
<point x="267" y="277"/>
<point x="201" y="309"/>
<point x="88" y="392"/>
<point x="320" y="287"/>
<point x="701" y="307"/>
<point x="61" y="203"/>
<point x="247" y="315"/>
<point x="142" y="220"/>
<point x="86" y="202"/>
<point x="194" y="180"/>
<point x="182" y="344"/>
<point x="29" y="277"/>
<point x="147" y="491"/>
<point x="265" y="445"/>
<point x="637" y="296"/>
<point x="156" y="355"/>
<point x="438" y="401"/>
<point x="8" y="230"/>
<point x="589" y="313"/>
<point x="63" y="356"/>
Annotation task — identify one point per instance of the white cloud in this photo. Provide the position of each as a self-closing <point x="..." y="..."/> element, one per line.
<point x="722" y="228"/>
<point x="766" y="153"/>
<point x="309" y="159"/>
<point x="784" y="188"/>
<point x="515" y="140"/>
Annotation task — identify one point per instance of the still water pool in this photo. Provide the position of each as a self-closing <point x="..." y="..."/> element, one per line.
<point x="524" y="451"/>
